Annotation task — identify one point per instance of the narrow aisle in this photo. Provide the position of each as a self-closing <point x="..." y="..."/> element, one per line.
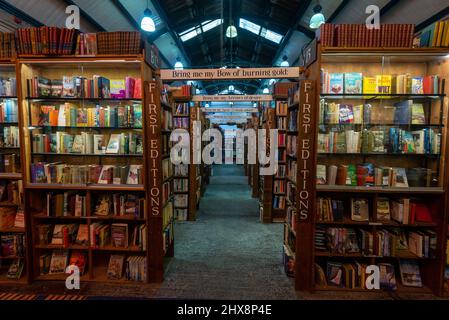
<point x="227" y="253"/>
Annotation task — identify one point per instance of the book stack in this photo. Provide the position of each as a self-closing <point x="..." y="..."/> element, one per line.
<point x="46" y="41"/>
<point x="118" y="205"/>
<point x="80" y="87"/>
<point x="167" y="120"/>
<point x="184" y="91"/>
<point x="281" y="108"/>
<point x="279" y="202"/>
<point x="8" y="87"/>
<point x="43" y="172"/>
<point x="7" y="45"/>
<point x="10" y="137"/>
<point x="183" y="122"/>
<point x="182" y="109"/>
<point x="359" y="83"/>
<point x="181" y="200"/>
<point x="88" y="143"/>
<point x="136" y="268"/>
<point x="435" y="35"/>
<point x="359" y="36"/>
<point x="59" y="260"/>
<point x="119" y="42"/>
<point x="279" y="186"/>
<point x="181" y="185"/>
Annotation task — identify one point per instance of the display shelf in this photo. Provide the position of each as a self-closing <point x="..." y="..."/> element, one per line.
<point x="118" y="249"/>
<point x="13" y="230"/>
<point x="76" y="99"/>
<point x="10" y="176"/>
<point x="350" y="189"/>
<point x="85" y="154"/>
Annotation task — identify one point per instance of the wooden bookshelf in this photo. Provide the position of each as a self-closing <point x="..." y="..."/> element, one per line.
<point x="433" y="195"/>
<point x="150" y="160"/>
<point x="11" y="177"/>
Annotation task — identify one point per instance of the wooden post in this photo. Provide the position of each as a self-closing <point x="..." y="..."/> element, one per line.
<point x="305" y="191"/>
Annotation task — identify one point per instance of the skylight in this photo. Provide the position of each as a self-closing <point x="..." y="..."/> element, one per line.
<point x="248" y="25"/>
<point x="203" y="27"/>
<point x="263" y="32"/>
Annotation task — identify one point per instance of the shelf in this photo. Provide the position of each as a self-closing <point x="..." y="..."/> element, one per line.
<point x="83" y="127"/>
<point x="96" y="187"/>
<point x="379" y="154"/>
<point x="279" y="193"/>
<point x="59" y="277"/>
<point x="16" y="148"/>
<point x="45" y="217"/>
<point x="378" y="224"/>
<point x="414" y="190"/>
<point x="13" y="230"/>
<point x="3" y="124"/>
<point x="60" y="247"/>
<point x="111" y="248"/>
<point x="86" y="154"/>
<point x="292" y="132"/>
<point x="82" y="99"/>
<point x="128" y="217"/>
<point x="6" y="280"/>
<point x="413" y="125"/>
<point x="10" y="176"/>
<point x="8" y="97"/>
<point x="375" y="96"/>
<point x="182" y="99"/>
<point x="402" y="255"/>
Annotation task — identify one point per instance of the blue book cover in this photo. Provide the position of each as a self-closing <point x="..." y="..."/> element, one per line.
<point x="402" y="113"/>
<point x="336" y="83"/>
<point x="353" y="83"/>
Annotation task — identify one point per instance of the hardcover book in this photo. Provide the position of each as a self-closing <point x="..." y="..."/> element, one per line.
<point x="353" y="83"/>
<point x="336" y="83"/>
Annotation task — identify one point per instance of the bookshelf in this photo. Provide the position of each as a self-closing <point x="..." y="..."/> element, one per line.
<point x="266" y="195"/>
<point x="254" y="168"/>
<point x="14" y="256"/>
<point x="97" y="188"/>
<point x="388" y="198"/>
<point x="195" y="173"/>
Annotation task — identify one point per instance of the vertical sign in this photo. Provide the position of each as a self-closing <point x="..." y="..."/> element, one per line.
<point x="305" y="187"/>
<point x="306" y="163"/>
<point x="153" y="180"/>
<point x="155" y="156"/>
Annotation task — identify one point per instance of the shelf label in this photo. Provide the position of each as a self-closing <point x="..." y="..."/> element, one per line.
<point x="232" y="97"/>
<point x="236" y="110"/>
<point x="306" y="139"/>
<point x="230" y="74"/>
<point x="153" y="125"/>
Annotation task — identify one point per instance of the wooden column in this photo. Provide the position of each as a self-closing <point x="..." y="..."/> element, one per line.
<point x="153" y="150"/>
<point x="305" y="187"/>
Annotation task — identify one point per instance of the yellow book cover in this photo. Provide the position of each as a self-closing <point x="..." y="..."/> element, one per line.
<point x="384" y="84"/>
<point x="369" y="85"/>
<point x="446" y="36"/>
<point x="435" y="34"/>
<point x="440" y="33"/>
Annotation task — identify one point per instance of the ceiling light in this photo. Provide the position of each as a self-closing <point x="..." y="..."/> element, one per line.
<point x="206" y="105"/>
<point x="178" y="64"/>
<point x="231" y="88"/>
<point x="231" y="31"/>
<point x="318" y="18"/>
<point x="266" y="91"/>
<point x="147" y="23"/>
<point x="284" y="62"/>
<point x="272" y="81"/>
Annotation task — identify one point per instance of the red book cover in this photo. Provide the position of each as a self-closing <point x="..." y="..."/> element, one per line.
<point x="138" y="89"/>
<point x="412" y="213"/>
<point x="428" y="85"/>
<point x="65" y="232"/>
<point x="422" y="213"/>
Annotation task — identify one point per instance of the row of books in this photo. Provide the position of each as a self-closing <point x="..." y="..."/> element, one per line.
<point x="166" y="144"/>
<point x="279" y="202"/>
<point x="15" y="269"/>
<point x="119" y="42"/>
<point x="65" y="204"/>
<point x="401" y="210"/>
<point x="8" y="86"/>
<point x="381" y="243"/>
<point x="81" y="87"/>
<point x="182" y="170"/>
<point x="166" y="120"/>
<point x="180" y="214"/>
<point x="182" y="109"/>
<point x="281" y="123"/>
<point x="181" y="200"/>
<point x="401" y="113"/>
<point x="181" y="185"/>
<point x="9" y="163"/>
<point x="291" y="171"/>
<point x="46" y="40"/>
<point x="434" y="36"/>
<point x="70" y="115"/>
<point x="279" y="186"/>
<point x="358" y="35"/>
<point x="293" y="120"/>
<point x="88" y="143"/>
<point x="9" y="138"/>
<point x="7" y="45"/>
<point x="12" y="245"/>
<point x="8" y="111"/>
<point x="86" y="44"/>
<point x="119" y="204"/>
<point x="291" y="145"/>
<point x="392" y="141"/>
<point x="282" y="171"/>
<point x="181" y="123"/>
<point x="184" y="91"/>
<point x="134" y="268"/>
<point x="281" y="139"/>
<point x="354" y="276"/>
<point x="281" y="88"/>
<point x="167" y="214"/>
<point x="7" y="217"/>
<point x="11" y="192"/>
<point x="117" y="235"/>
<point x="167" y="237"/>
<point x="369" y="176"/>
<point x="167" y="169"/>
<point x="57" y="261"/>
<point x="358" y="83"/>
<point x="281" y="155"/>
<point x="281" y="108"/>
<point x="43" y="172"/>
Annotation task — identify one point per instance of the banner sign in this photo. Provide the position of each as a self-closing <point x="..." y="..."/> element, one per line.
<point x="232" y="97"/>
<point x="249" y="110"/>
<point x="227" y="117"/>
<point x="230" y="74"/>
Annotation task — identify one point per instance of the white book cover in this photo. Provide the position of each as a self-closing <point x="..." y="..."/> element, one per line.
<point x="133" y="174"/>
<point x="113" y="144"/>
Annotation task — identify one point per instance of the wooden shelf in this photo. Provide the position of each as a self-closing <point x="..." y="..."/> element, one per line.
<point x="11" y="176"/>
<point x="130" y="155"/>
<point x="130" y="218"/>
<point x="57" y="99"/>
<point x="60" y="247"/>
<point x="94" y="187"/>
<point x="117" y="249"/>
<point x="45" y="217"/>
<point x="21" y="281"/>
<point x="59" y="277"/>
<point x="13" y="230"/>
<point x="84" y="127"/>
<point x="401" y="255"/>
<point x="351" y="189"/>
<point x="379" y="224"/>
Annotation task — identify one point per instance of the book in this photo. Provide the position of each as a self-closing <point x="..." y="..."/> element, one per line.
<point x="418" y="115"/>
<point x="99" y="144"/>
<point x="334" y="274"/>
<point x="387" y="277"/>
<point x="336" y="83"/>
<point x="359" y="210"/>
<point x="79" y="259"/>
<point x="15" y="269"/>
<point x="410" y="274"/>
<point x="82" y="237"/>
<point x="383" y="209"/>
<point x="113" y="144"/>
<point x="119" y="235"/>
<point x="369" y="85"/>
<point x="353" y="82"/>
<point x="59" y="260"/>
<point x="115" y="267"/>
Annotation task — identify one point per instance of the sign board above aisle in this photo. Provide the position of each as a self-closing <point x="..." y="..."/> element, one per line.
<point x="230" y="74"/>
<point x="227" y="117"/>
<point x="210" y="110"/>
<point x="233" y="97"/>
